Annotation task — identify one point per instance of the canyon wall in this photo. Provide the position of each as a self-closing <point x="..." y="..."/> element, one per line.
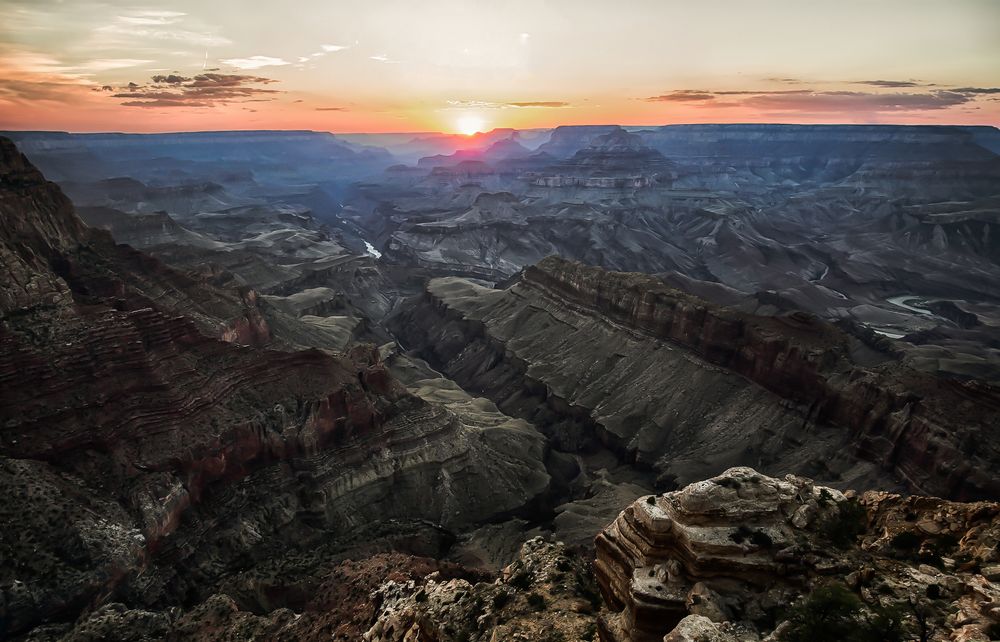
<point x="664" y="376"/>
<point x="151" y="448"/>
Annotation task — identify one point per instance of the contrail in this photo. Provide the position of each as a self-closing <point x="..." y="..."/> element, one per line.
<point x="205" y="65"/>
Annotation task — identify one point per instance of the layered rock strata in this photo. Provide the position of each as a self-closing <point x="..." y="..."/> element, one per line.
<point x="738" y="549"/>
<point x="146" y="455"/>
<point x="683" y="385"/>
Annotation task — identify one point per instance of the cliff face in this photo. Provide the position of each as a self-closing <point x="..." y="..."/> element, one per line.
<point x="729" y="555"/>
<point x="895" y="415"/>
<point x="667" y="378"/>
<point x="149" y="448"/>
<point x="616" y="159"/>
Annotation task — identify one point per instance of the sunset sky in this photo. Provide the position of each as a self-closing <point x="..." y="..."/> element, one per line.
<point x="447" y="65"/>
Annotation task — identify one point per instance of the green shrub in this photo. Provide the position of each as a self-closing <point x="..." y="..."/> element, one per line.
<point x="848" y="522"/>
<point x="884" y="624"/>
<point x="536" y="601"/>
<point x="500" y="600"/>
<point x="520" y="580"/>
<point x="832" y="613"/>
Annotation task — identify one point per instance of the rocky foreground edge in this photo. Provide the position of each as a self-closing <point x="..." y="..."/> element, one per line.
<point x="722" y="559"/>
<point x="739" y="557"/>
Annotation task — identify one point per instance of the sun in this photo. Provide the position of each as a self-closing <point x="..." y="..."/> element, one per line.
<point x="469" y="124"/>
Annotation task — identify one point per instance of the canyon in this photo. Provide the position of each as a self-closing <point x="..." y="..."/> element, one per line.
<point x="592" y="382"/>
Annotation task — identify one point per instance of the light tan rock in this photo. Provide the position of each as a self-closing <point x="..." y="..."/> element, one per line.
<point x="697" y="628"/>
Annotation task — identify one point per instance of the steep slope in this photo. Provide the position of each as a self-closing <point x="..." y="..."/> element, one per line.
<point x="145" y="455"/>
<point x="690" y="388"/>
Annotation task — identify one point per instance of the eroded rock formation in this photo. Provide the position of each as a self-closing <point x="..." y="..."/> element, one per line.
<point x="731" y="553"/>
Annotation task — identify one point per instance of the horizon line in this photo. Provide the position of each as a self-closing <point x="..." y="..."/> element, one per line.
<point x="479" y="133"/>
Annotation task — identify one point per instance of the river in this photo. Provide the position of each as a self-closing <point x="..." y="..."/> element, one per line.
<point x="901" y="302"/>
<point x="371" y="250"/>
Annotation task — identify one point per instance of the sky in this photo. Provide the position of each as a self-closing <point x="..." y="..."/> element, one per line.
<point x="465" y="65"/>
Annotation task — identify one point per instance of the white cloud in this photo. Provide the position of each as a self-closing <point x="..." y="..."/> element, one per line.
<point x="332" y="48"/>
<point x="32" y="62"/>
<point x="383" y="58"/>
<point x="143" y="26"/>
<point x="146" y="21"/>
<point x="107" y="64"/>
<point x="130" y="33"/>
<point x="255" y="62"/>
<point x="160" y="14"/>
<point x="514" y="104"/>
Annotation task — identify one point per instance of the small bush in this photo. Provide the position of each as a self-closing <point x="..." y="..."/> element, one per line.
<point x="844" y="526"/>
<point x="884" y="624"/>
<point x="520" y="580"/>
<point x="500" y="600"/>
<point x="832" y="613"/>
<point x="536" y="601"/>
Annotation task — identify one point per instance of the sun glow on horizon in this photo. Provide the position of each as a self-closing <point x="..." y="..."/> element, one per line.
<point x="389" y="66"/>
<point x="469" y="124"/>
